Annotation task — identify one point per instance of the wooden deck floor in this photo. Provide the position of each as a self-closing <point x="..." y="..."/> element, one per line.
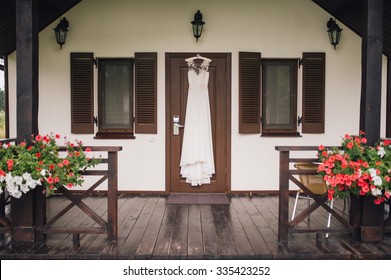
<point x="151" y="229"/>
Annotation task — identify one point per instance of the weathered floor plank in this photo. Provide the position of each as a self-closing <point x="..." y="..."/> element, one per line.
<point x="209" y="236"/>
<point x="148" y="228"/>
<point x="163" y="242"/>
<point x="178" y="248"/>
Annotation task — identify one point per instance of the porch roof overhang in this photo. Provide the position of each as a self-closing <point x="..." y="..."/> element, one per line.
<point x="49" y="11"/>
<point x="351" y="14"/>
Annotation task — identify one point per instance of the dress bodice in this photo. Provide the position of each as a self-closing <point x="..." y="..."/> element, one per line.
<point x="198" y="74"/>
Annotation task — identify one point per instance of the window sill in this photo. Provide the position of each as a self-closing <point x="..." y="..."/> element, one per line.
<point x="281" y="134"/>
<point x="114" y="135"/>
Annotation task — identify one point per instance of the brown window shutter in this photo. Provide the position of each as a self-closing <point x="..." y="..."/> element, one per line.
<point x="82" y="93"/>
<point x="249" y="92"/>
<point x="314" y="92"/>
<point x="146" y="92"/>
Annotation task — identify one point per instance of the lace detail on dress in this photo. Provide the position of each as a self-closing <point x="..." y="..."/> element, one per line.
<point x="197" y="67"/>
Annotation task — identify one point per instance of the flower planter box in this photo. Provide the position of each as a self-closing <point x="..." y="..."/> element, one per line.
<point x="367" y="219"/>
<point x="27" y="213"/>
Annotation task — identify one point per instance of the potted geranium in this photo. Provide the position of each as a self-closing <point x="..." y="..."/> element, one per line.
<point x="25" y="165"/>
<point x="362" y="173"/>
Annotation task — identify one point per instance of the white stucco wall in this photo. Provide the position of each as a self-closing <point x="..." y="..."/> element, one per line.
<point x="276" y="28"/>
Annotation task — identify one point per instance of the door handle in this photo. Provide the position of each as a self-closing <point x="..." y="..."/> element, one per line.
<point x="177" y="126"/>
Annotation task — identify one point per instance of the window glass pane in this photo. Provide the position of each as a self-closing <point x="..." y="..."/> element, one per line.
<point x="116" y="102"/>
<point x="277" y="101"/>
<point x="279" y="95"/>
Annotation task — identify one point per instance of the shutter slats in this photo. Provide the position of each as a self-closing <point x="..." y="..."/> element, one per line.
<point x="82" y="109"/>
<point x="313" y="92"/>
<point x="249" y="92"/>
<point x="146" y="92"/>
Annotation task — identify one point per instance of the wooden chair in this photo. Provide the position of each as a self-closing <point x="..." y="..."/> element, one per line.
<point x="315" y="184"/>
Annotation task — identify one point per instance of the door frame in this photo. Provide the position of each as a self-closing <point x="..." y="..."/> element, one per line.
<point x="168" y="121"/>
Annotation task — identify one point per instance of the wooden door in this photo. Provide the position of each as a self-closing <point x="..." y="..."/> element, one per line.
<point x="220" y="103"/>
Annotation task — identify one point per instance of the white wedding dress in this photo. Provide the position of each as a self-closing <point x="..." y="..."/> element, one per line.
<point x="197" y="162"/>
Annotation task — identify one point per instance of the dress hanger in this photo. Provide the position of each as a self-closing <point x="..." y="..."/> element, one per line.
<point x="198" y="56"/>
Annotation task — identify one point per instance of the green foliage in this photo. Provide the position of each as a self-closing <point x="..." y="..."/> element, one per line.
<point x="24" y="166"/>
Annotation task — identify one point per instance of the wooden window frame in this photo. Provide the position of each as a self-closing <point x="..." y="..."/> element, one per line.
<point x="283" y="131"/>
<point x="120" y="132"/>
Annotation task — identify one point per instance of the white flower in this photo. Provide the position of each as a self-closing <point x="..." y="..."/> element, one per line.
<point x="18" y="180"/>
<point x="377" y="181"/>
<point x="376" y="192"/>
<point x="24" y="188"/>
<point x="372" y="172"/>
<point x="381" y="152"/>
<point x="26" y="176"/>
<point x="43" y="172"/>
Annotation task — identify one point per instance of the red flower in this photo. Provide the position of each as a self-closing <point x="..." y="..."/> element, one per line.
<point x="58" y="136"/>
<point x="65" y="162"/>
<point x="70" y="185"/>
<point x="88" y="150"/>
<point x="10" y="164"/>
<point x="38" y="138"/>
<point x="350" y="145"/>
<point x="387" y="142"/>
<point x="38" y="155"/>
<point x="2" y="173"/>
<point x="50" y="180"/>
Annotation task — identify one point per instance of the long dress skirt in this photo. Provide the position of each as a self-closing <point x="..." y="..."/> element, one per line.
<point x="197" y="162"/>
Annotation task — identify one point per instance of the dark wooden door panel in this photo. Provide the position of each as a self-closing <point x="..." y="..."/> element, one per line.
<point x="219" y="91"/>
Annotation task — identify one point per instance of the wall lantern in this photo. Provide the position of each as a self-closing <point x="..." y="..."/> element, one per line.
<point x="198" y="24"/>
<point x="334" y="32"/>
<point x="61" y="31"/>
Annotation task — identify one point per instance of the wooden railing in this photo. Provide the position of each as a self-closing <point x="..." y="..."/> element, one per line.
<point x="286" y="174"/>
<point x="109" y="226"/>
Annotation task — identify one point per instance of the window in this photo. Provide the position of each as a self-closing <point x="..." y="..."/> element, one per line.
<point x="127" y="95"/>
<point x="279" y="96"/>
<point x="268" y="95"/>
<point x="115" y="98"/>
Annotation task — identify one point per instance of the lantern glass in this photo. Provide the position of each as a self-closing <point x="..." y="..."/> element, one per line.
<point x="61" y="37"/>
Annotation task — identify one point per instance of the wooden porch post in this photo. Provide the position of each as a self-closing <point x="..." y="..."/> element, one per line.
<point x="370" y="219"/>
<point x="28" y="210"/>
<point x="388" y="118"/>
<point x="372" y="50"/>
